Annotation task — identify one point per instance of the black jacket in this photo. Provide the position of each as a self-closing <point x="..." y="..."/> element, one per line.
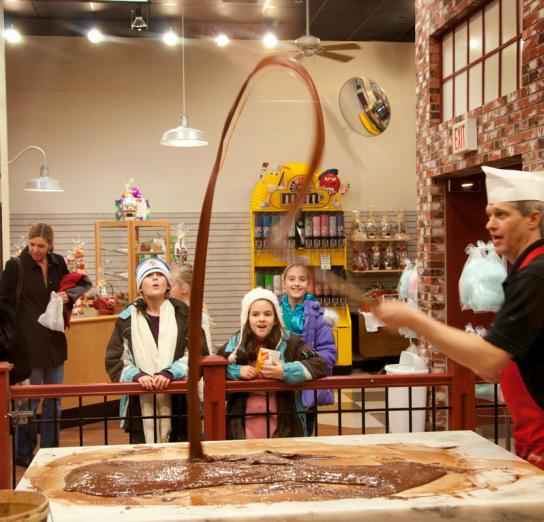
<point x="35" y="346"/>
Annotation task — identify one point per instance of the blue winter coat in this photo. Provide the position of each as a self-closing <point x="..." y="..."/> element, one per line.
<point x="317" y="334"/>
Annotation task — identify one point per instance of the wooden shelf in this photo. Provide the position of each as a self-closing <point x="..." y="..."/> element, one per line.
<point x="366" y="272"/>
<point x="312" y="257"/>
<point x="381" y="240"/>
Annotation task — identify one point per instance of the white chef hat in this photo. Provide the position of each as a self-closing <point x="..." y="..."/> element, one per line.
<point x="150" y="266"/>
<point x="513" y="185"/>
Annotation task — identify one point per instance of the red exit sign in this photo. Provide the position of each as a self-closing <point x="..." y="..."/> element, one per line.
<point x="464" y="136"/>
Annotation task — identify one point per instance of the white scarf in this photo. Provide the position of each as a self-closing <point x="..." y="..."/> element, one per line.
<point x="151" y="360"/>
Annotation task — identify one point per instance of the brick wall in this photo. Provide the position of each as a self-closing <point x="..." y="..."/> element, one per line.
<point x="510" y="130"/>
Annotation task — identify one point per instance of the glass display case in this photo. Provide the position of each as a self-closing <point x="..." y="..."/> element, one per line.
<point x="121" y="245"/>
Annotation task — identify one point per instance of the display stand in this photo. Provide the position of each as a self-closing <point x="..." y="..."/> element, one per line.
<point x="121" y="245"/>
<point x="317" y="240"/>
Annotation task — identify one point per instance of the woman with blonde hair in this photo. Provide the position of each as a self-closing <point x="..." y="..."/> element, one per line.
<point x="37" y="353"/>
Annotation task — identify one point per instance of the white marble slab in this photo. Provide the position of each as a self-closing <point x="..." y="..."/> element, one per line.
<point x="507" y="499"/>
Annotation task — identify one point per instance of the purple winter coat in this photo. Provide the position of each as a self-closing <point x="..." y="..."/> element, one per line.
<point x="317" y="334"/>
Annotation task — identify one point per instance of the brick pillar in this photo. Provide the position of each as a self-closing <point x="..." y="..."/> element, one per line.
<point x="509" y="132"/>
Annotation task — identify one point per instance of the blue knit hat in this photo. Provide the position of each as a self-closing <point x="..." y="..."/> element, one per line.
<point x="152" y="265"/>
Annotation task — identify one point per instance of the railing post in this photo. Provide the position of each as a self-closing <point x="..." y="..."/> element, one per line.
<point x="5" y="445"/>
<point x="461" y="398"/>
<point x="214" y="397"/>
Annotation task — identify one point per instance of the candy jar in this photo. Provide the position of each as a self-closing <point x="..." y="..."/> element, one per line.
<point x="402" y="256"/>
<point x="371" y="227"/>
<point x="180" y="250"/>
<point x="385" y="227"/>
<point x="401" y="233"/>
<point x="389" y="258"/>
<point x="360" y="260"/>
<point x="375" y="258"/>
<point x="358" y="231"/>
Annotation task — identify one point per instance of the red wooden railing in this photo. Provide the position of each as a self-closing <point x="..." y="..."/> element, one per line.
<point x="216" y="387"/>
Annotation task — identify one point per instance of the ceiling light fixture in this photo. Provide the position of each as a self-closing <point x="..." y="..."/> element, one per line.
<point x="43" y="183"/>
<point x="183" y="136"/>
<point x="170" y="38"/>
<point x="12" y="35"/>
<point x="222" y="39"/>
<point x="270" y="41"/>
<point x="95" y="35"/>
<point x="137" y="20"/>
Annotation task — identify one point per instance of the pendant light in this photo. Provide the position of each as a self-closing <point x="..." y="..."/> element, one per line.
<point x="183" y="136"/>
<point x="43" y="183"/>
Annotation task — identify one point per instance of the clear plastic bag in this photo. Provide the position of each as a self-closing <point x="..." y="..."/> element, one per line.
<point x="480" y="284"/>
<point x="52" y="317"/>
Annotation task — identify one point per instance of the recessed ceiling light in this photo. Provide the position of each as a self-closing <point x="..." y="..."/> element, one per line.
<point x="13" y="36"/>
<point x="270" y="41"/>
<point x="170" y="38"/>
<point x="222" y="39"/>
<point x="95" y="35"/>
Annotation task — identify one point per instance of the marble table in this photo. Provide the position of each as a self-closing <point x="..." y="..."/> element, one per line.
<point x="486" y="483"/>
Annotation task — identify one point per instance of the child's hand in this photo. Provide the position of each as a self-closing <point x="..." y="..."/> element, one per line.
<point x="146" y="382"/>
<point x="273" y="370"/>
<point x="247" y="372"/>
<point x="160" y="382"/>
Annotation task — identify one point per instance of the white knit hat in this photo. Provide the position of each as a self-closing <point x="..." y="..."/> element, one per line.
<point x="152" y="265"/>
<point x="513" y="185"/>
<point x="255" y="295"/>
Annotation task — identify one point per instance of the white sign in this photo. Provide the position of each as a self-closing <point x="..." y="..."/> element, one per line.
<point x="464" y="136"/>
<point x="325" y="262"/>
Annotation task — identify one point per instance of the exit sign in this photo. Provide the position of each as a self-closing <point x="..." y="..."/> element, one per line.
<point x="464" y="136"/>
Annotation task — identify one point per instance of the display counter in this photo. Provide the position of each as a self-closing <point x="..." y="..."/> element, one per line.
<point x="482" y="482"/>
<point x="87" y="338"/>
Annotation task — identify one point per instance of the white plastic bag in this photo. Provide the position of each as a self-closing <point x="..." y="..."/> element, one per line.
<point x="403" y="285"/>
<point x="480" y="284"/>
<point x="52" y="317"/>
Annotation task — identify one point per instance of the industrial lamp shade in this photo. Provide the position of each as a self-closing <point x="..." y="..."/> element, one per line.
<point x="43" y="183"/>
<point x="184" y="136"/>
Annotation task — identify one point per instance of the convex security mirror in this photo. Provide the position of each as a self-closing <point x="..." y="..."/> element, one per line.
<point x="365" y="106"/>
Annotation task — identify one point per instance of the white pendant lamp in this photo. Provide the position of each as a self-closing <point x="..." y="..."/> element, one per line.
<point x="43" y="183"/>
<point x="184" y="136"/>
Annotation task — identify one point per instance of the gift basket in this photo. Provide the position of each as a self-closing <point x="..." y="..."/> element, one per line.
<point x="105" y="301"/>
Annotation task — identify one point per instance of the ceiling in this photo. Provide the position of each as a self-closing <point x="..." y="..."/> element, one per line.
<point x="336" y="20"/>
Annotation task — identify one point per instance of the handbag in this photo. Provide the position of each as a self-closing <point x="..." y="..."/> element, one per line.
<point x="8" y="316"/>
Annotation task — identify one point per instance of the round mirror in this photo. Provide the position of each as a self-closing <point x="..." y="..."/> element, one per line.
<point x="365" y="106"/>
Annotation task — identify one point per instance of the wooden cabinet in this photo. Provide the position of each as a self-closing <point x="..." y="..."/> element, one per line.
<point x="121" y="245"/>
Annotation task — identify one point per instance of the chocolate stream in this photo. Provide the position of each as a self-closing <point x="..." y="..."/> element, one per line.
<point x="197" y="289"/>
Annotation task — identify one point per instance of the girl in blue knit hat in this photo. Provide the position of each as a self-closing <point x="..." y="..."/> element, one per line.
<point x="149" y="346"/>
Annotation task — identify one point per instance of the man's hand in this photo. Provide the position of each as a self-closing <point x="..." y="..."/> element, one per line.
<point x="247" y="372"/>
<point x="394" y="314"/>
<point x="273" y="371"/>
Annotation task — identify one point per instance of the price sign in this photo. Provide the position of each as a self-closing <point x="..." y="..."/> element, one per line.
<point x="325" y="262"/>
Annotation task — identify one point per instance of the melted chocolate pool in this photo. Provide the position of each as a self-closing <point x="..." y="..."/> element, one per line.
<point x="285" y="471"/>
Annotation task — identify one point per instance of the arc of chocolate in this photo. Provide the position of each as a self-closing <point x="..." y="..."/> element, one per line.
<point x="197" y="289"/>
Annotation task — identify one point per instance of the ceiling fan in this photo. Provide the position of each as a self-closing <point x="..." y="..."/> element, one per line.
<point x="309" y="45"/>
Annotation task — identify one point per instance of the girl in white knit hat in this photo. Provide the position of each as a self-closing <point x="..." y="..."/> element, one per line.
<point x="265" y="349"/>
<point x="149" y="346"/>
